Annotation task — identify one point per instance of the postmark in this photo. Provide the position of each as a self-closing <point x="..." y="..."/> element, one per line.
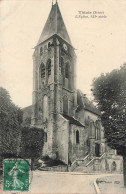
<point x="16" y="175"/>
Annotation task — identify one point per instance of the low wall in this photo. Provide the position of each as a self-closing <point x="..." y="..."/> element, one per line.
<point x="60" y="168"/>
<point x="110" y="163"/>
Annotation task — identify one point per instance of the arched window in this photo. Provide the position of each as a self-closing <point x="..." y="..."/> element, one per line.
<point x="97" y="134"/>
<point x="77" y="137"/>
<point x="67" y="71"/>
<point x="92" y="129"/>
<point x="65" y="105"/>
<point x="45" y="137"/>
<point x="49" y="45"/>
<point x="113" y="166"/>
<point x="49" y="67"/>
<point x="62" y="66"/>
<point x="45" y="108"/>
<point x="41" y="51"/>
<point x="42" y="70"/>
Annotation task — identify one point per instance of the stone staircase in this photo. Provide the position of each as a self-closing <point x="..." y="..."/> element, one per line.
<point x="89" y="164"/>
<point x="80" y="164"/>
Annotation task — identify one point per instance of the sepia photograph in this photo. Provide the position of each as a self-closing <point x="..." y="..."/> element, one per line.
<point x="63" y="96"/>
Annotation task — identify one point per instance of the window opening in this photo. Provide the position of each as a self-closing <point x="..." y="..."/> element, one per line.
<point x="49" y="67"/>
<point x="67" y="71"/>
<point x="41" y="51"/>
<point x="42" y="70"/>
<point x="65" y="105"/>
<point x="77" y="137"/>
<point x="49" y="45"/>
<point x="45" y="137"/>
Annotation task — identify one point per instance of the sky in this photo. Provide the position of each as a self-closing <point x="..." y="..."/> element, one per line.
<point x="100" y="43"/>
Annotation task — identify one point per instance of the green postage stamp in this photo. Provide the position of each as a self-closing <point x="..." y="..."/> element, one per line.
<point x="16" y="175"/>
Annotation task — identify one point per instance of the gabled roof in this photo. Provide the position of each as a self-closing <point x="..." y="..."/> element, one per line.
<point x="54" y="25"/>
<point x="84" y="103"/>
<point x="73" y="121"/>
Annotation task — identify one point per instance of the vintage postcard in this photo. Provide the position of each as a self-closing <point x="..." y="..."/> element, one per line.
<point x="62" y="96"/>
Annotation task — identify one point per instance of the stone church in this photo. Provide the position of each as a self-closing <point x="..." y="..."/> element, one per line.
<point x="71" y="123"/>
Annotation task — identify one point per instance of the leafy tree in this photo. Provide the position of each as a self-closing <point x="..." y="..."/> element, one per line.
<point x="109" y="91"/>
<point x="10" y="125"/>
<point x="17" y="139"/>
<point x="32" y="142"/>
<point x="27" y="121"/>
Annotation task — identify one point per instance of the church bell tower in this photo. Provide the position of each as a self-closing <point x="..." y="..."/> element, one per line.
<point x="54" y="80"/>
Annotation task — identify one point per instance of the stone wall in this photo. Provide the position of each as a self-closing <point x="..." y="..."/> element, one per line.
<point x="114" y="163"/>
<point x="108" y="163"/>
<point x="77" y="150"/>
<point x="62" y="138"/>
<point x="59" y="168"/>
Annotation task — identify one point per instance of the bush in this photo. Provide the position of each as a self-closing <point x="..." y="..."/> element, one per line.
<point x="32" y="142"/>
<point x="52" y="162"/>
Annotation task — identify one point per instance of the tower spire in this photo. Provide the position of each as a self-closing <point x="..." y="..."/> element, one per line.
<point x="54" y="25"/>
<point x="52" y="2"/>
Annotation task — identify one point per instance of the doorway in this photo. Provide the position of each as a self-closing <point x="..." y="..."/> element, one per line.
<point x="97" y="150"/>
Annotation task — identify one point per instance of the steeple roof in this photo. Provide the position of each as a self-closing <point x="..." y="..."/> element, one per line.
<point x="54" y="25"/>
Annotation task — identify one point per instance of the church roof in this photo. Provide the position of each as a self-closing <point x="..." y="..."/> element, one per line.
<point x="84" y="103"/>
<point x="54" y="25"/>
<point x="72" y="120"/>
